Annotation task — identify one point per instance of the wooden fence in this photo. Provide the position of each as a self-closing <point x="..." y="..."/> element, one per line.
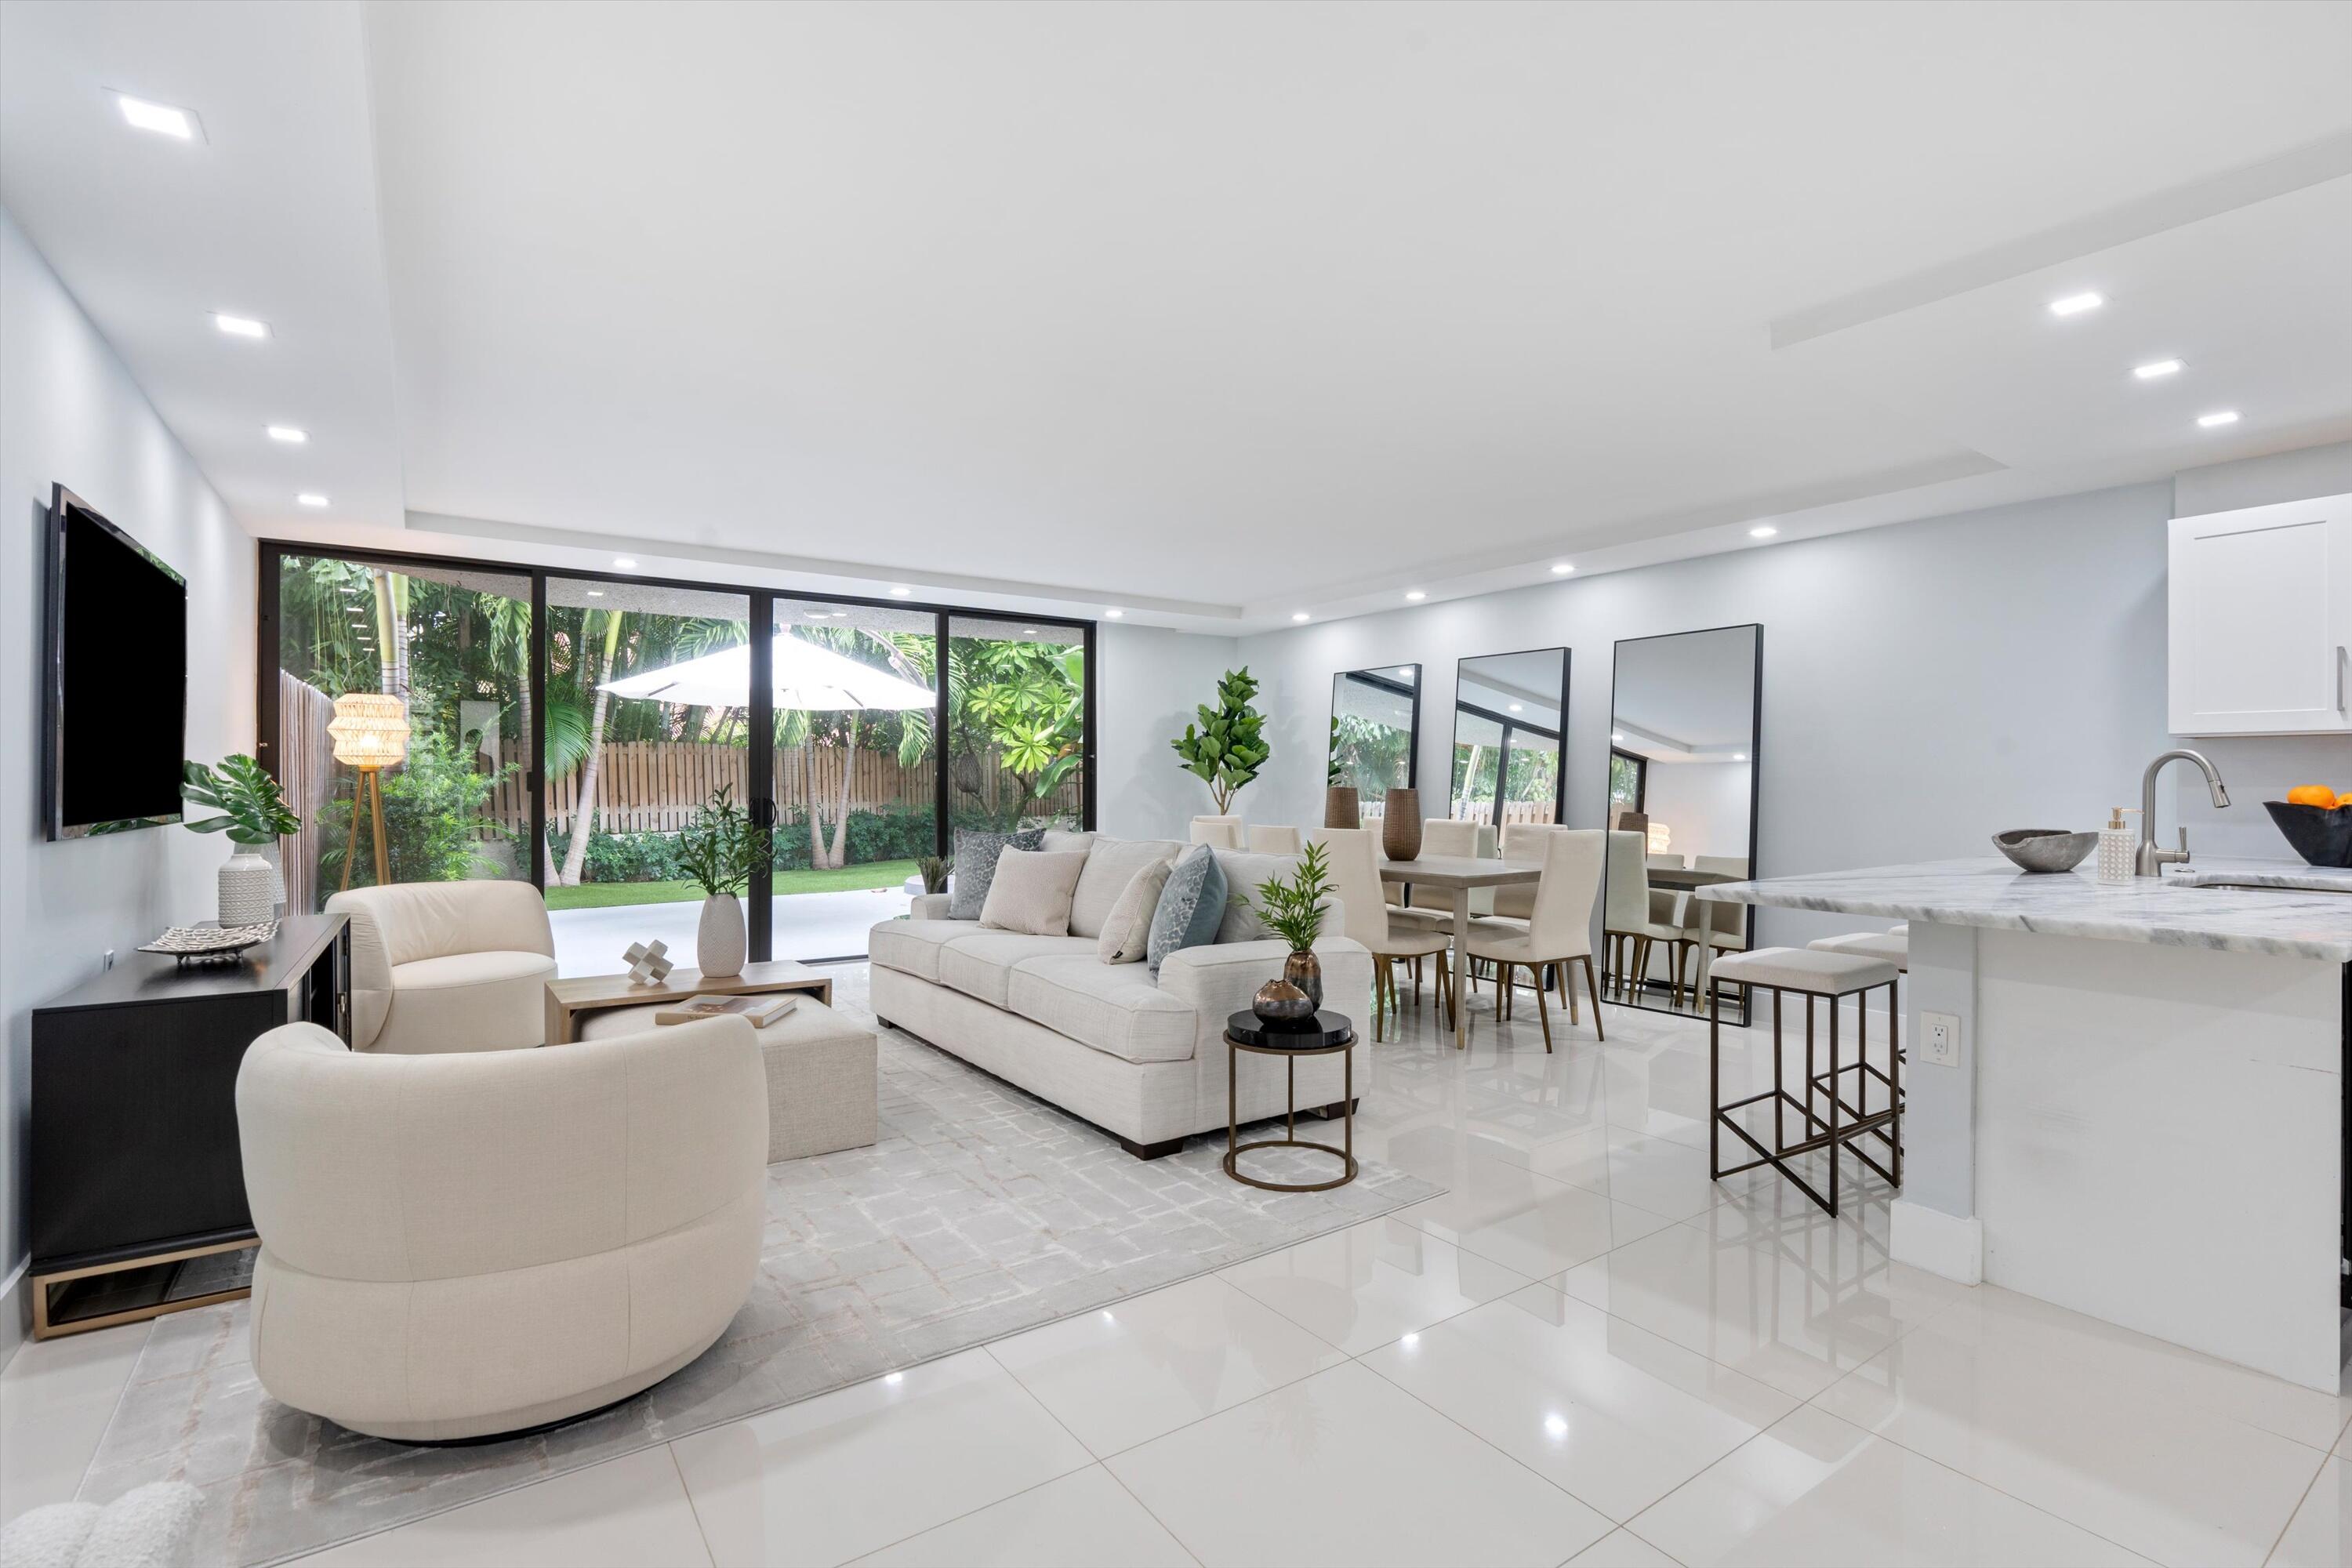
<point x="1514" y="811"/>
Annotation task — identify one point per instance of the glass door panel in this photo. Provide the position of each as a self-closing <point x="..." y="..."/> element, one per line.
<point x="1016" y="723"/>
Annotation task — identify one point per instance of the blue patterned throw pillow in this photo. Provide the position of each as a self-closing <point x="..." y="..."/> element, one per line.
<point x="975" y="867"/>
<point x="1190" y="906"/>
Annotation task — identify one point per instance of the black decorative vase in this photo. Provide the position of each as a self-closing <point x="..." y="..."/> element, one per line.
<point x="1280" y="1002"/>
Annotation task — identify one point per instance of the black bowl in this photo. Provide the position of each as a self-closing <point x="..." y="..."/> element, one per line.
<point x="2321" y="835"/>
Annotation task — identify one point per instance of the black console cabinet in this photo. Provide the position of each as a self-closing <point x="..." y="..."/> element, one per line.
<point x="136" y="1194"/>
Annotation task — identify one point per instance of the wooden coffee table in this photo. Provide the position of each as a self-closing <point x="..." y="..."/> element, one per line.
<point x="567" y="999"/>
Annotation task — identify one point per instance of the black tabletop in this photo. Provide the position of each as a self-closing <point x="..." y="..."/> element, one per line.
<point x="1320" y="1033"/>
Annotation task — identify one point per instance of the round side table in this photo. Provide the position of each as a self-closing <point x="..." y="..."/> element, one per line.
<point x="1322" y="1035"/>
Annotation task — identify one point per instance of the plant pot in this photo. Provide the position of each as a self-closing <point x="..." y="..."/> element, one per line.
<point x="1342" y="808"/>
<point x="1401" y="825"/>
<point x="719" y="940"/>
<point x="1304" y="970"/>
<point x="275" y="853"/>
<point x="245" y="893"/>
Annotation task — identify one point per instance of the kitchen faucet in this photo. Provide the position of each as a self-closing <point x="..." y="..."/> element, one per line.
<point x="2151" y="860"/>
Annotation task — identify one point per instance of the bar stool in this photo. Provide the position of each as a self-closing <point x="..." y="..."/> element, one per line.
<point x="1895" y="947"/>
<point x="1815" y="976"/>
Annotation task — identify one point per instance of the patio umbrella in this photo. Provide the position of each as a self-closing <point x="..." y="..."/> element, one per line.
<point x="806" y="676"/>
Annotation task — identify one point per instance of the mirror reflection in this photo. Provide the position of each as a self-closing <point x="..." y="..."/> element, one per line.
<point x="1682" y="814"/>
<point x="1375" y="727"/>
<point x="1507" y="713"/>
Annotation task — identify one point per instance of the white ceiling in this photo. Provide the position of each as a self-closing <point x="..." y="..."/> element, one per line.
<point x="1213" y="313"/>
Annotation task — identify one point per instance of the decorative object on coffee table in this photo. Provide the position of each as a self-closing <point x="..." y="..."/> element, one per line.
<point x="253" y="813"/>
<point x="1342" y="808"/>
<point x="570" y="1001"/>
<point x="1293" y="909"/>
<point x="648" y="964"/>
<point x="371" y="733"/>
<point x="717" y="851"/>
<point x="1321" y="1035"/>
<point x="1401" y="825"/>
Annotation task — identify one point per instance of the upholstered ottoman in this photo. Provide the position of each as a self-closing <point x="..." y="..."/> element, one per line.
<point x="821" y="1074"/>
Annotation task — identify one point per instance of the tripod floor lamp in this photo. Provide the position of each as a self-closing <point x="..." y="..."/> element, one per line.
<point x="371" y="733"/>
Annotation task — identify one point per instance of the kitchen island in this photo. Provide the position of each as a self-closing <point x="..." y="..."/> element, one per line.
<point x="2143" y="1116"/>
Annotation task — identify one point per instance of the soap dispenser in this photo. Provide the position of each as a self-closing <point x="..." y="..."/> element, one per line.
<point x="2118" y="846"/>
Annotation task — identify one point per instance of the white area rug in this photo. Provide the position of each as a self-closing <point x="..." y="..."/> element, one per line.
<point x="980" y="1212"/>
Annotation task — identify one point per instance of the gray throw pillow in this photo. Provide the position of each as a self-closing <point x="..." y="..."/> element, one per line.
<point x="1190" y="906"/>
<point x="975" y="867"/>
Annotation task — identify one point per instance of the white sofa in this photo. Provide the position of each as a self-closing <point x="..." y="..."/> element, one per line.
<point x="458" y="1246"/>
<point x="448" y="966"/>
<point x="1141" y="1056"/>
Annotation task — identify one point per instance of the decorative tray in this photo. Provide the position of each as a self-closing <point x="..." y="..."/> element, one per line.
<point x="198" y="943"/>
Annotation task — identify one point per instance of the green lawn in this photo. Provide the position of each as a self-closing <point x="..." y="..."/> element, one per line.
<point x="607" y="895"/>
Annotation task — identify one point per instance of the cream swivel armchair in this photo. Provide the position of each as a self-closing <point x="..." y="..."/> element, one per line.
<point x="448" y="966"/>
<point x="1560" y="931"/>
<point x="1355" y="859"/>
<point x="453" y="1246"/>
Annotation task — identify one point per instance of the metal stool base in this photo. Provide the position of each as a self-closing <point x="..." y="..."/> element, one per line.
<point x="1847" y="1120"/>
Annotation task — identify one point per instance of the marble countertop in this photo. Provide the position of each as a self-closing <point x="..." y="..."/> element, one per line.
<point x="2293" y="914"/>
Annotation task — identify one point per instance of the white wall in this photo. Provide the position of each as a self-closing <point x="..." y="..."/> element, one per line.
<point x="69" y="412"/>
<point x="1150" y="683"/>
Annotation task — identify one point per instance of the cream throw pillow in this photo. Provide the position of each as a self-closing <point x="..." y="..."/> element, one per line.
<point x="1126" y="930"/>
<point x="1031" y="892"/>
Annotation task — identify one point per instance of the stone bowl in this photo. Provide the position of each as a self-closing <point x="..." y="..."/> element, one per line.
<point x="2045" y="848"/>
<point x="2321" y="835"/>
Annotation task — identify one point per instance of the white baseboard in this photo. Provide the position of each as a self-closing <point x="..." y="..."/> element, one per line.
<point x="15" y="1311"/>
<point x="1939" y="1243"/>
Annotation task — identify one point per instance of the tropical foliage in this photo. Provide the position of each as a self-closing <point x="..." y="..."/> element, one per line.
<point x="432" y="822"/>
<point x="720" y="848"/>
<point x="1293" y="908"/>
<point x="1226" y="748"/>
<point x="1016" y="706"/>
<point x="1368" y="753"/>
<point x="252" y="810"/>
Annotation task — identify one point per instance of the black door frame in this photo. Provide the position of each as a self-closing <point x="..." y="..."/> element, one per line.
<point x="760" y="916"/>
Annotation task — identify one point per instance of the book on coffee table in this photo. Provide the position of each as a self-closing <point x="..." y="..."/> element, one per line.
<point x="760" y="1010"/>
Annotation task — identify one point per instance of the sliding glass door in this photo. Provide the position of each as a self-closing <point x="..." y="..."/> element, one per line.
<point x="862" y="733"/>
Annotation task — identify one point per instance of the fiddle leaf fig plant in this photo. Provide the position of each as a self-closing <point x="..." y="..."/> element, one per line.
<point x="252" y="811"/>
<point x="1226" y="748"/>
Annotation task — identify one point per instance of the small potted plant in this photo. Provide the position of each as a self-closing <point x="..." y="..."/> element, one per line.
<point x="1293" y="909"/>
<point x="254" y="814"/>
<point x="933" y="869"/>
<point x="717" y="851"/>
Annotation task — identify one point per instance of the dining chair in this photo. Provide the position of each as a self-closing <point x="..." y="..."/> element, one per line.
<point x="1658" y="862"/>
<point x="1627" y="922"/>
<point x="1355" y="857"/>
<point x="1273" y="838"/>
<point x="1559" y="930"/>
<point x="1732" y="866"/>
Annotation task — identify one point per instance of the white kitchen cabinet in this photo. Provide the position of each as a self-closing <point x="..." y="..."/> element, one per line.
<point x="2262" y="620"/>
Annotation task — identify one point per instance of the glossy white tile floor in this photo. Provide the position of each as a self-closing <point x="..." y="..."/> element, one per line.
<point x="1584" y="1351"/>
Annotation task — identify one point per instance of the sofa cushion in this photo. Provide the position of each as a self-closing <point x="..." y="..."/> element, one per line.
<point x="1126" y="931"/>
<point x="979" y="965"/>
<point x="1190" y="906"/>
<point x="1243" y="874"/>
<point x="1031" y="892"/>
<point x="1111" y="1007"/>
<point x="913" y="947"/>
<point x="1061" y="840"/>
<point x="1111" y="866"/>
<point x="975" y="866"/>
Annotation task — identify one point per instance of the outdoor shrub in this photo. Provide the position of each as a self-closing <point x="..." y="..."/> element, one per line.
<point x="433" y="820"/>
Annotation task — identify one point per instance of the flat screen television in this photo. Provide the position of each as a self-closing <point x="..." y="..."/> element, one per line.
<point x="114" y="711"/>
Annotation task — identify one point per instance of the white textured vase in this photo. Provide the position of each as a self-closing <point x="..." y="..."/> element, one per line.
<point x="245" y="890"/>
<point x="719" y="940"/>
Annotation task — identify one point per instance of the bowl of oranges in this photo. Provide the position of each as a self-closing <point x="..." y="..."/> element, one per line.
<point x="2317" y="823"/>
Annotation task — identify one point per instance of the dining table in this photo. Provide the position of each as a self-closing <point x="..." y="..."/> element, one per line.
<point x="1461" y="875"/>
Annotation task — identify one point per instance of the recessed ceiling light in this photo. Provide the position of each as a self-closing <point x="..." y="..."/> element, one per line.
<point x="1762" y="530"/>
<point x="1028" y="631"/>
<point x="1298" y="615"/>
<point x="240" y="326"/>
<point x="1514" y="708"/>
<point x="311" y="498"/>
<point x="1114" y="615"/>
<point x="1416" y="596"/>
<point x="160" y="118"/>
<point x="2161" y="367"/>
<point x="287" y="433"/>
<point x="625" y="563"/>
<point x="2226" y="416"/>
<point x="2075" y="304"/>
<point x="1738" y="756"/>
<point x="595" y="593"/>
<point x="1404" y="672"/>
<point x="1562" y="568"/>
<point x="900" y="592"/>
<point x="1555" y="1425"/>
<point x="1615" y="737"/>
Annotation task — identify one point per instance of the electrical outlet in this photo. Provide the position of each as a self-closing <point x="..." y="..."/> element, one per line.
<point x="1940" y="1038"/>
<point x="106" y="961"/>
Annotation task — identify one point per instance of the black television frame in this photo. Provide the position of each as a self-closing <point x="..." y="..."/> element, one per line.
<point x="53" y="673"/>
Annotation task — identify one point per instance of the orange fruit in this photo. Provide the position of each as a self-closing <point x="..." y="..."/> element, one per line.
<point x="2311" y="795"/>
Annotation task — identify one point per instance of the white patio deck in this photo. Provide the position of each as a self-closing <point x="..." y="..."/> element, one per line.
<point x="808" y="925"/>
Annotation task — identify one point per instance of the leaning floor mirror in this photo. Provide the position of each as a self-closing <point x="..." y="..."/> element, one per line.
<point x="1683" y="737"/>
<point x="1375" y="729"/>
<point x="1508" y="714"/>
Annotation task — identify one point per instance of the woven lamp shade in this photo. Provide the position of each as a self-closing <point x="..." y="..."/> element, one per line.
<point x="370" y="729"/>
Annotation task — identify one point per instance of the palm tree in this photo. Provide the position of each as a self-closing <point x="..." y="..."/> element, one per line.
<point x="575" y="854"/>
